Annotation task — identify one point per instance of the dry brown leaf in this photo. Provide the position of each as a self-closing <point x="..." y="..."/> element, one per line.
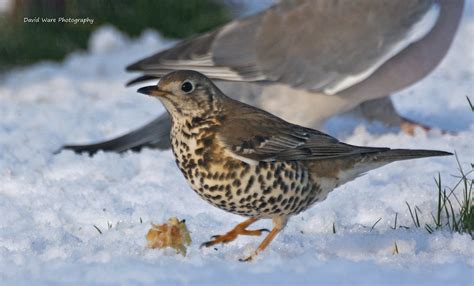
<point x="172" y="234"/>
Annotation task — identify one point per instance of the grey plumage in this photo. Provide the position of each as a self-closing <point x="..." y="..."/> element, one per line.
<point x="274" y="46"/>
<point x="153" y="135"/>
<point x="330" y="55"/>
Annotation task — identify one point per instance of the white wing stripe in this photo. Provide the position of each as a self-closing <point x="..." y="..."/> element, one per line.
<point x="418" y="31"/>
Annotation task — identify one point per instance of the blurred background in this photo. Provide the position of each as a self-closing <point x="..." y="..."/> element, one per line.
<point x="25" y="43"/>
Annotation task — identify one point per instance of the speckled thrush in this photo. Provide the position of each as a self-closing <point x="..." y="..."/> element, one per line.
<point x="249" y="162"/>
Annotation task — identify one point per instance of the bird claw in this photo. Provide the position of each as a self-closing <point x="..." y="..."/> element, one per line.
<point x="206" y="244"/>
<point x="232" y="235"/>
<point x="247" y="259"/>
<point x="211" y="242"/>
<point x="215" y="239"/>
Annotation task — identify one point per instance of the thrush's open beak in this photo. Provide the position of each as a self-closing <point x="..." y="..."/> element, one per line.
<point x="151" y="90"/>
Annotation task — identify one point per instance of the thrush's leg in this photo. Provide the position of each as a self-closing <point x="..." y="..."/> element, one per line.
<point x="278" y="224"/>
<point x="240" y="229"/>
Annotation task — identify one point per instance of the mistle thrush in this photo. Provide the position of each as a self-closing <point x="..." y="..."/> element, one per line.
<point x="249" y="162"/>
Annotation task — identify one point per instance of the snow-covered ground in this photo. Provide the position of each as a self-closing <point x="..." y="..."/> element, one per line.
<point x="50" y="203"/>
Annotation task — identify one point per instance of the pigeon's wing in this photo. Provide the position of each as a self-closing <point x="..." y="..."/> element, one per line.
<point x="340" y="43"/>
<point x="319" y="45"/>
<point x="259" y="136"/>
<point x="155" y="134"/>
<point x="203" y="53"/>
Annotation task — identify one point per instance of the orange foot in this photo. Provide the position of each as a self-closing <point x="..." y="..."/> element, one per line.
<point x="240" y="229"/>
<point x="409" y="126"/>
<point x="263" y="245"/>
<point x="278" y="224"/>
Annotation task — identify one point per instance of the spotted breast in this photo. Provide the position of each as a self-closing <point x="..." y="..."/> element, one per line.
<point x="261" y="190"/>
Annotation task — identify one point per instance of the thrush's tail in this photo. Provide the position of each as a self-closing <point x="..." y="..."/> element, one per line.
<point x="406" y="154"/>
<point x="358" y="165"/>
<point x="155" y="134"/>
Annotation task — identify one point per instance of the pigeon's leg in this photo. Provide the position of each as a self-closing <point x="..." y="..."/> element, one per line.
<point x="240" y="229"/>
<point x="409" y="126"/>
<point x="278" y="224"/>
<point x="380" y="109"/>
<point x="383" y="110"/>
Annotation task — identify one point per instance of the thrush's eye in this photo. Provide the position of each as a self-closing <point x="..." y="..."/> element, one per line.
<point x="187" y="86"/>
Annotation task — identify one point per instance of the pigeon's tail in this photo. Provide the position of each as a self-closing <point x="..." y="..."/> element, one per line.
<point x="392" y="155"/>
<point x="141" y="79"/>
<point x="155" y="134"/>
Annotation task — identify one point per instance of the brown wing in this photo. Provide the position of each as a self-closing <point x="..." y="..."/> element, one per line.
<point x="260" y="136"/>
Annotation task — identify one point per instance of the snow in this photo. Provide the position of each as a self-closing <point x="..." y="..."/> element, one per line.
<point x="49" y="203"/>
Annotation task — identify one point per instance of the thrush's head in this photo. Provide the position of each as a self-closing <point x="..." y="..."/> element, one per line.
<point x="187" y="93"/>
